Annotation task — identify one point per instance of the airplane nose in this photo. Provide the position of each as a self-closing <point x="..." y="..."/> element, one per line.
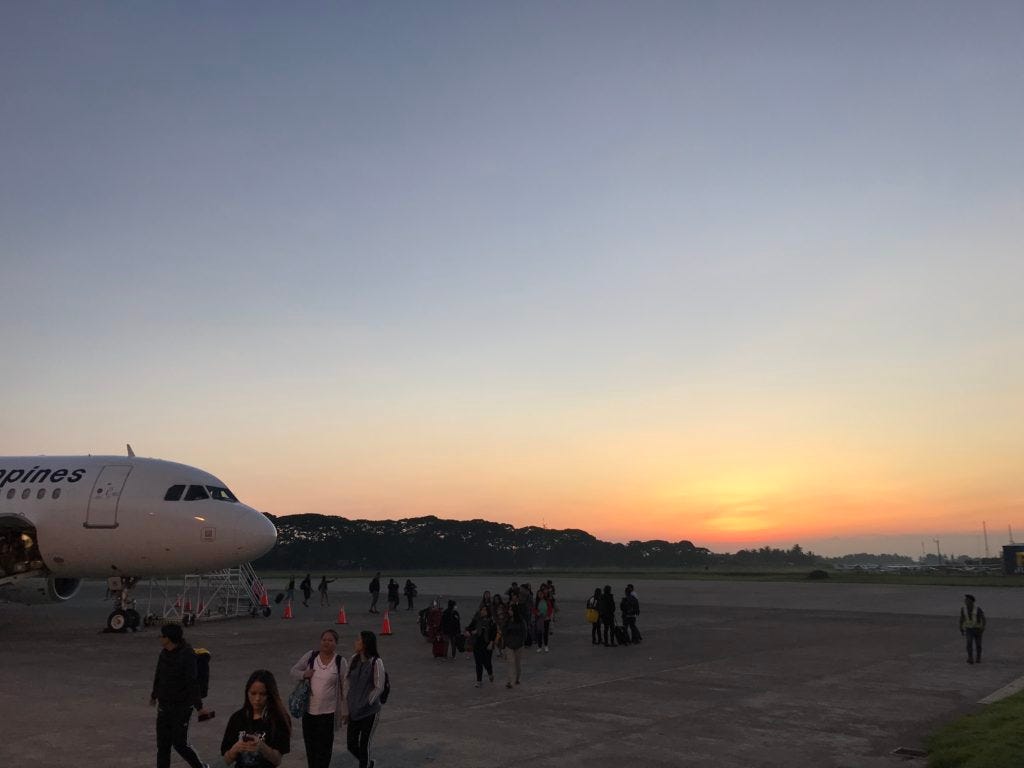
<point x="256" y="534"/>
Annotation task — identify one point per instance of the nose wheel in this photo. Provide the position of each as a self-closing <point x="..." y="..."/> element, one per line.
<point x="124" y="616"/>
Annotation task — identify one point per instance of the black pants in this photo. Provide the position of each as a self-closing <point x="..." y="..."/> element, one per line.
<point x="595" y="633"/>
<point x="360" y="733"/>
<point x="630" y="624"/>
<point x="451" y="644"/>
<point x="318" y="736"/>
<point x="973" y="637"/>
<point x="172" y="731"/>
<point x="482" y="656"/>
<point x="409" y="598"/>
<point x="608" y="628"/>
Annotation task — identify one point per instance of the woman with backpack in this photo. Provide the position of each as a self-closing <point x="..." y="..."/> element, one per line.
<point x="361" y="700"/>
<point x="259" y="734"/>
<point x="323" y="668"/>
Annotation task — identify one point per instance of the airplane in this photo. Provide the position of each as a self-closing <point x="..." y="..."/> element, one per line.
<point x="65" y="518"/>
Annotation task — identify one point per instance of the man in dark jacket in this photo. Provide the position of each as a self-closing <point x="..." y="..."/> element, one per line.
<point x="176" y="691"/>
<point x="630" y="608"/>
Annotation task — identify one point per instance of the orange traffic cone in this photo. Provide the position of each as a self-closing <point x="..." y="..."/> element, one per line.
<point x="341" y="616"/>
<point x="385" y="628"/>
<point x="287" y="610"/>
<point x="264" y="602"/>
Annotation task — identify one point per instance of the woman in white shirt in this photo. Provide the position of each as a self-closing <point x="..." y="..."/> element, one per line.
<point x="324" y="670"/>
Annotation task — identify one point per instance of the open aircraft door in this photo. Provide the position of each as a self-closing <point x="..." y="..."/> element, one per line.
<point x="106" y="493"/>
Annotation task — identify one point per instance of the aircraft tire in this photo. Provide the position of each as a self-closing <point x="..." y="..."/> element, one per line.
<point x="266" y="612"/>
<point x="117" y="621"/>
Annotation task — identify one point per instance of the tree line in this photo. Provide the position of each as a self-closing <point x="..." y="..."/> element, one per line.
<point x="326" y="542"/>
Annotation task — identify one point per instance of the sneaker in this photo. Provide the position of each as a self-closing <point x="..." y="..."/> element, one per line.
<point x="508" y="685"/>
<point x="476" y="684"/>
<point x="546" y="649"/>
<point x="539" y="649"/>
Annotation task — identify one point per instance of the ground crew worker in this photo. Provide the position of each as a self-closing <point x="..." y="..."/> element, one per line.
<point x="972" y="625"/>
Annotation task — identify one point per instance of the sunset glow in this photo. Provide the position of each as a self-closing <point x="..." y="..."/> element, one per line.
<point x="747" y="275"/>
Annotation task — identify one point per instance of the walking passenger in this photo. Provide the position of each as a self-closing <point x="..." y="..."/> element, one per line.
<point x="374" y="592"/>
<point x="307" y="589"/>
<point x="451" y="626"/>
<point x="594" y="616"/>
<point x="393" y="598"/>
<point x="323" y="668"/>
<point x="513" y="635"/>
<point x="543" y="611"/>
<point x="322" y="589"/>
<point x="259" y="734"/>
<point x="607" y="613"/>
<point x="410" y="593"/>
<point x="364" y="683"/>
<point x="630" y="608"/>
<point x="175" y="693"/>
<point x="483" y="631"/>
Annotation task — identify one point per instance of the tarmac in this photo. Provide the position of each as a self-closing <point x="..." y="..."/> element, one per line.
<point x="729" y="675"/>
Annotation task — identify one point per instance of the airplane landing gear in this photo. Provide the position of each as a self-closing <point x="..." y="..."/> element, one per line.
<point x="124" y="616"/>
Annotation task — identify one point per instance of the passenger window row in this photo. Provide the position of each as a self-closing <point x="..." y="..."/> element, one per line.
<point x="26" y="492"/>
<point x="198" y="493"/>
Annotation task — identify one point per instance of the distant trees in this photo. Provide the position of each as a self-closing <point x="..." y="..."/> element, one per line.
<point x="327" y="542"/>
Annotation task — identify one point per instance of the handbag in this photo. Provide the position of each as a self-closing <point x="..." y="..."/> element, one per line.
<point x="298" y="700"/>
<point x="592" y="615"/>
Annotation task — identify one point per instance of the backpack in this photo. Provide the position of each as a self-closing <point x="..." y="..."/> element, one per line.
<point x="387" y="688"/>
<point x="202" y="670"/>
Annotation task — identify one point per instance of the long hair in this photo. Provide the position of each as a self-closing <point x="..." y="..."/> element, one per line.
<point x="275" y="714"/>
<point x="369" y="649"/>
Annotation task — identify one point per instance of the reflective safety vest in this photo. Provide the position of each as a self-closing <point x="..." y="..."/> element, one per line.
<point x="972" y="619"/>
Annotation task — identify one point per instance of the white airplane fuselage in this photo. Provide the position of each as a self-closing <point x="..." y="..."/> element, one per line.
<point x="102" y="516"/>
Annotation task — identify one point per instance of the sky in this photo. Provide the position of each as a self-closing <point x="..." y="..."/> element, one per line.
<point x="739" y="273"/>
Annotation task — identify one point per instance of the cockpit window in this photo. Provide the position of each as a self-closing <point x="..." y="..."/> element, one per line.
<point x="174" y="493"/>
<point x="220" y="494"/>
<point x="196" y="492"/>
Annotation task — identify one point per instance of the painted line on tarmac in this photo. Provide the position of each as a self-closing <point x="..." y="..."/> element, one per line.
<point x="1007" y="690"/>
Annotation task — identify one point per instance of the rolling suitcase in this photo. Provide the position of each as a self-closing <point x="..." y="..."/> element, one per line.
<point x="440" y="647"/>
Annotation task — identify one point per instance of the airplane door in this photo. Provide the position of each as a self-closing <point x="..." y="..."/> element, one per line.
<point x="106" y="493"/>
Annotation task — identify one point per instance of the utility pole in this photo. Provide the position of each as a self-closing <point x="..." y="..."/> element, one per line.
<point x="1010" y="529"/>
<point x="937" y="550"/>
<point x="984" y="530"/>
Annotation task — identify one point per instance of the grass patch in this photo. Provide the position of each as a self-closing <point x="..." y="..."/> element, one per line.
<point x="991" y="738"/>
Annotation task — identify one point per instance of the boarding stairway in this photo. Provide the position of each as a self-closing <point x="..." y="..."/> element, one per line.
<point x="222" y="594"/>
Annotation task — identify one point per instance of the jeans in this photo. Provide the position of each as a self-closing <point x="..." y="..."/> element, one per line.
<point x="630" y="624"/>
<point x="172" y="731"/>
<point x="973" y="637"/>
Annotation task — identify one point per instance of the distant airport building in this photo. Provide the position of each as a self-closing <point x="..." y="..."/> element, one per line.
<point x="1013" y="559"/>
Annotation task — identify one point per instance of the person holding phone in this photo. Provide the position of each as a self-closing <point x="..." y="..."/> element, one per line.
<point x="259" y="734"/>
